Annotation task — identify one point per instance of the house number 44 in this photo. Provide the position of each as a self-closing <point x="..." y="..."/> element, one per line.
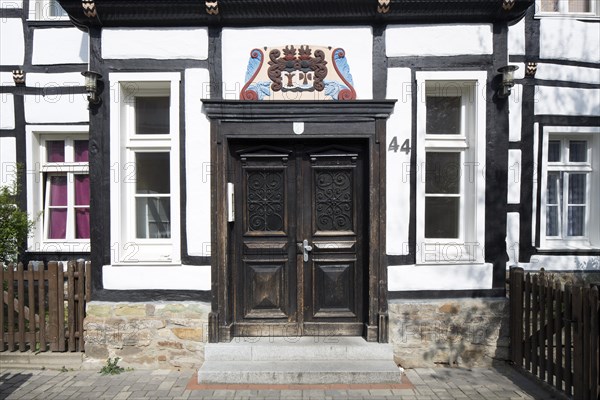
<point x="395" y="147"/>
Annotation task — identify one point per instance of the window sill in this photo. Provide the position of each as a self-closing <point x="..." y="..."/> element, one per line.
<point x="580" y="17"/>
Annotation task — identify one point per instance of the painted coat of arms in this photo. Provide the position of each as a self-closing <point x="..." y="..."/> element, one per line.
<point x="298" y="73"/>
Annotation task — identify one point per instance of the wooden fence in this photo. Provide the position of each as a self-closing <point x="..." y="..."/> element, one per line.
<point x="43" y="308"/>
<point x="554" y="332"/>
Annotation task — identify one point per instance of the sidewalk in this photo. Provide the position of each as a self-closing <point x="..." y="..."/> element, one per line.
<point x="499" y="382"/>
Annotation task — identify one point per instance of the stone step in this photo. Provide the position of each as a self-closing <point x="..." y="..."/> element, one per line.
<point x="297" y="348"/>
<point x="46" y="360"/>
<point x="299" y="372"/>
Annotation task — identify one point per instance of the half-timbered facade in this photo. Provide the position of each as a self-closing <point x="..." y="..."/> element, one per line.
<point x="304" y="168"/>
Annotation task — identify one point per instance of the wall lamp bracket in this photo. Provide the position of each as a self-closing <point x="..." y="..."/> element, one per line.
<point x="91" y="86"/>
<point x="508" y="80"/>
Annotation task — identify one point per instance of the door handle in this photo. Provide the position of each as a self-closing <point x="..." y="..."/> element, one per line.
<point x="305" y="249"/>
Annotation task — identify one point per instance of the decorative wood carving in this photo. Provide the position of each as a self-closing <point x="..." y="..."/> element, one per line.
<point x="508" y="5"/>
<point x="298" y="73"/>
<point x="89" y="8"/>
<point x="18" y="76"/>
<point x="531" y="69"/>
<point x="383" y="6"/>
<point x="212" y="7"/>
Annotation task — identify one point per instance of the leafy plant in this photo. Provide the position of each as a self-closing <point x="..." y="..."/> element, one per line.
<point x="111" y="367"/>
<point x="15" y="225"/>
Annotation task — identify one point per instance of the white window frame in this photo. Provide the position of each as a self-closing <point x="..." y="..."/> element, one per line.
<point x="563" y="10"/>
<point x="470" y="142"/>
<point x="36" y="136"/>
<point x="39" y="10"/>
<point x="127" y="249"/>
<point x="591" y="240"/>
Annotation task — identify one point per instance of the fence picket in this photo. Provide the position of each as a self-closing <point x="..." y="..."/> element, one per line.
<point x="60" y="292"/>
<point x="558" y="329"/>
<point x="21" y="306"/>
<point x="31" y="304"/>
<point x="550" y="330"/>
<point x="518" y="322"/>
<point x="577" y="344"/>
<point x="88" y="281"/>
<point x="10" y="305"/>
<point x="594" y="338"/>
<point x="80" y="304"/>
<point x="534" y="326"/>
<point x="42" y="278"/>
<point x="71" y="301"/>
<point x="585" y="328"/>
<point x="2" y="344"/>
<point x="53" y="305"/>
<point x="542" y="330"/>
<point x="528" y="321"/>
<point x="568" y="300"/>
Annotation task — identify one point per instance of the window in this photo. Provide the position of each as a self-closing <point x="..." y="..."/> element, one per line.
<point x="450" y="187"/>
<point x="47" y="10"/>
<point x="565" y="7"/>
<point x="570" y="191"/>
<point x="58" y="188"/>
<point x="145" y="224"/>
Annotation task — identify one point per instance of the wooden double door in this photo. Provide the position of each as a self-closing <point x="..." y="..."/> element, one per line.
<point x="298" y="237"/>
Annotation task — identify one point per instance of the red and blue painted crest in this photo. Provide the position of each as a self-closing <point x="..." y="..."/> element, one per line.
<point x="298" y="73"/>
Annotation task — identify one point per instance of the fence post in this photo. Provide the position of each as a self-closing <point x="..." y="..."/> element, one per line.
<point x="516" y="297"/>
<point x="31" y="305"/>
<point x="52" y="333"/>
<point x="577" y="344"/>
<point x="2" y="346"/>
<point x="10" y="308"/>
<point x="594" y="336"/>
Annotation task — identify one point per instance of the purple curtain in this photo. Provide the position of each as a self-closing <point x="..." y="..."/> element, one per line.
<point x="81" y="151"/>
<point x="58" y="216"/>
<point x="55" y="150"/>
<point x="82" y="214"/>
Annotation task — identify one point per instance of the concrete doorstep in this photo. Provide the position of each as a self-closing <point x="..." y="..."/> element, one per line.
<point x="48" y="360"/>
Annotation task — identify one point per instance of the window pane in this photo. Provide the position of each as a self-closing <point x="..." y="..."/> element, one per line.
<point x="579" y="6"/>
<point x="577" y="151"/>
<point x="441" y="217"/>
<point x="82" y="190"/>
<point x="576" y="220"/>
<point x="550" y="5"/>
<point x="82" y="223"/>
<point x="443" y="115"/>
<point x="552" y="220"/>
<point x="55" y="10"/>
<point x="554" y="186"/>
<point x="55" y="151"/>
<point x="152" y="115"/>
<point x="577" y="188"/>
<point x="58" y="190"/>
<point x="152" y="173"/>
<point x="554" y="150"/>
<point x="57" y="226"/>
<point x="153" y="216"/>
<point x="442" y="172"/>
<point x="81" y="151"/>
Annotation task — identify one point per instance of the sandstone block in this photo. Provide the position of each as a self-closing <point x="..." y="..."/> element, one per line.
<point x="194" y="334"/>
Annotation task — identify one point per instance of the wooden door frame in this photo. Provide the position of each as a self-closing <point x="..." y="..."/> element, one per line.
<point x="234" y="119"/>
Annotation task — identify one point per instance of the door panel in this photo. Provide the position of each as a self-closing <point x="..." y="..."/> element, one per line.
<point x="291" y="193"/>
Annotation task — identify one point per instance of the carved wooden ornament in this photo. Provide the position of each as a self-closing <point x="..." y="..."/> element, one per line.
<point x="298" y="72"/>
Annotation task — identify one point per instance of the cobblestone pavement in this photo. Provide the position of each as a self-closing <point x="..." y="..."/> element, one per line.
<point x="440" y="383"/>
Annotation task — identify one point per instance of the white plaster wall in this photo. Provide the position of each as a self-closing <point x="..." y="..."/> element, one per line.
<point x="516" y="38"/>
<point x="156" y="43"/>
<point x="12" y="42"/>
<point x="238" y="42"/>
<point x="7" y="111"/>
<point x="438" y="40"/>
<point x="562" y="263"/>
<point x="440" y="277"/>
<point x="8" y="160"/>
<point x="569" y="73"/>
<point x="568" y="38"/>
<point x="512" y="238"/>
<point x="182" y="277"/>
<point x="514" y="176"/>
<point x="197" y="162"/>
<point x="567" y="101"/>
<point x="11" y="4"/>
<point x="60" y="46"/>
<point x="399" y="125"/>
<point x="515" y="113"/>
<point x="56" y="108"/>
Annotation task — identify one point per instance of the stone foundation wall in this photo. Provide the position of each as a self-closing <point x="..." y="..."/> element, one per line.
<point x="464" y="332"/>
<point x="146" y="335"/>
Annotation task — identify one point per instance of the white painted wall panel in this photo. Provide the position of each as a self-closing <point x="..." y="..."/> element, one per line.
<point x="356" y="41"/>
<point x="7" y="111"/>
<point x="515" y="113"/>
<point x="157" y="43"/>
<point x="197" y="162"/>
<point x="399" y="125"/>
<point x="60" y="46"/>
<point x="512" y="238"/>
<point x="440" y="277"/>
<point x="567" y="101"/>
<point x="516" y="38"/>
<point x="514" y="176"/>
<point x="12" y="42"/>
<point x="568" y="73"/>
<point x="56" y="108"/>
<point x="14" y="4"/>
<point x="182" y="277"/>
<point x="8" y="160"/>
<point x="438" y="40"/>
<point x="562" y="263"/>
<point x="568" y="38"/>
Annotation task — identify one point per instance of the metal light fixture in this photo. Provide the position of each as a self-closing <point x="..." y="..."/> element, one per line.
<point x="91" y="86"/>
<point x="508" y="80"/>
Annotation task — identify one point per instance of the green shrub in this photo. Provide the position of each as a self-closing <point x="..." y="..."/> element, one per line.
<point x="15" y="225"/>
